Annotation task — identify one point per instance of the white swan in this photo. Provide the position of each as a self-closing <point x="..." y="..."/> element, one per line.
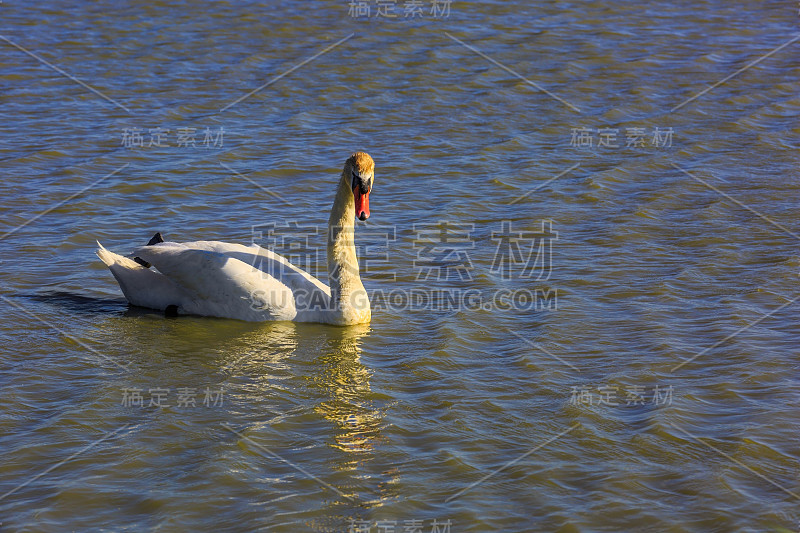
<point x="226" y="280"/>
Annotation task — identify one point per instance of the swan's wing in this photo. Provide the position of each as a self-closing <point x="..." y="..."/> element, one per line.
<point x="267" y="261"/>
<point x="220" y="285"/>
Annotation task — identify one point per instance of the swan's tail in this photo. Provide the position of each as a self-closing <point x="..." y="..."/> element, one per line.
<point x="111" y="259"/>
<point x="140" y="285"/>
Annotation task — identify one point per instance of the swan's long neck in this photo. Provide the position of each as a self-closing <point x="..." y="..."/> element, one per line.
<point x="348" y="297"/>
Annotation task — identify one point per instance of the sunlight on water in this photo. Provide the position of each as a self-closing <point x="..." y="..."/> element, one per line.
<point x="581" y="259"/>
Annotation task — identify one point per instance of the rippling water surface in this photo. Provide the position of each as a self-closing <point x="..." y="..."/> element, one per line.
<point x="657" y="393"/>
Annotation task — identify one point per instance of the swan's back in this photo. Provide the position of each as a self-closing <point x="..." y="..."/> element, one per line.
<point x="236" y="281"/>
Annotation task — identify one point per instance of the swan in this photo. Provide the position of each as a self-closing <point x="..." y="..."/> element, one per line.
<point x="226" y="280"/>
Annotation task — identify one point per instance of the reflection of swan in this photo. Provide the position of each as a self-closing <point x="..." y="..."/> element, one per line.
<point x="356" y="415"/>
<point x="346" y="382"/>
<point x="218" y="279"/>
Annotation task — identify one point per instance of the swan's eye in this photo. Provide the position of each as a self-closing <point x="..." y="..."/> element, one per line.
<point x="363" y="184"/>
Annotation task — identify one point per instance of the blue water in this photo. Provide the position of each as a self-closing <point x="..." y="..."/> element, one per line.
<point x="654" y="388"/>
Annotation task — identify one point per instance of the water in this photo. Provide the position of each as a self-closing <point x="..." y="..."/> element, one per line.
<point x="665" y="250"/>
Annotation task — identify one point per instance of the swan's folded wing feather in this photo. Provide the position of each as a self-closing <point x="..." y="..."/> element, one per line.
<point x="269" y="262"/>
<point x="221" y="285"/>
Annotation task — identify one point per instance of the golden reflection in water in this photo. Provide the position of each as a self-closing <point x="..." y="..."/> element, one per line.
<point x="240" y="347"/>
<point x="345" y="381"/>
<point x="308" y="376"/>
<point x="262" y="352"/>
<point x="349" y="405"/>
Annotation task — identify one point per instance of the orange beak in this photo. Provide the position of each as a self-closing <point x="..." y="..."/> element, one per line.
<point x="362" y="203"/>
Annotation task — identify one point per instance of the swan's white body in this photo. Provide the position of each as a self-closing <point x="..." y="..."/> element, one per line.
<point x="251" y="283"/>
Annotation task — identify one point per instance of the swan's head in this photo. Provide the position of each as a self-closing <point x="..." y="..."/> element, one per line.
<point x="359" y="174"/>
